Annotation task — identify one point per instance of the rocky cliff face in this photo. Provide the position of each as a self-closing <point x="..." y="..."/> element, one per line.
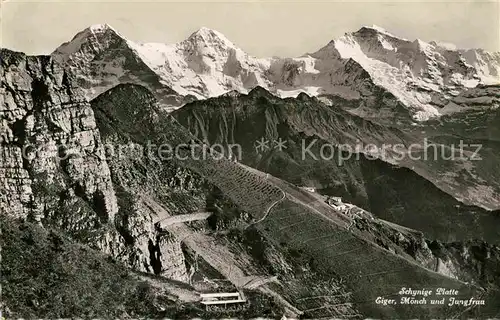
<point x="54" y="168"/>
<point x="51" y="149"/>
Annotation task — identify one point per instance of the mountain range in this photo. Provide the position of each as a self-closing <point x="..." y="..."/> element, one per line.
<point x="369" y="73"/>
<point x="97" y="223"/>
<point x="414" y="80"/>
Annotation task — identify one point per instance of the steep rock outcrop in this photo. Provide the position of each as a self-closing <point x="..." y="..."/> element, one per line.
<point x="54" y="169"/>
<point x="51" y="150"/>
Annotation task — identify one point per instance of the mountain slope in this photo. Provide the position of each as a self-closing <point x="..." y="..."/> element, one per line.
<point x="36" y="260"/>
<point x="322" y="246"/>
<point x="339" y="162"/>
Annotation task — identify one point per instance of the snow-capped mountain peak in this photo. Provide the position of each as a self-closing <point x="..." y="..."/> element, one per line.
<point x="423" y="76"/>
<point x="209" y="37"/>
<point x="97" y="36"/>
<point x="376" y="30"/>
<point x="101" y="58"/>
<point x="99" y="28"/>
<point x="206" y="64"/>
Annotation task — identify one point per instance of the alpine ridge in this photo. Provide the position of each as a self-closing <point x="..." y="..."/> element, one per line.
<point x="371" y="72"/>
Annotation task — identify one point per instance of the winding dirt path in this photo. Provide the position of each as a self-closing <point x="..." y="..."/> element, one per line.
<point x="269" y="208"/>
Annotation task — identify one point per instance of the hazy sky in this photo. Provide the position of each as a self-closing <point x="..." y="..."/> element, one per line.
<point x="262" y="28"/>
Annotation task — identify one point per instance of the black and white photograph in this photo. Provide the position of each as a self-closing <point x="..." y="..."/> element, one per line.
<point x="250" y="159"/>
